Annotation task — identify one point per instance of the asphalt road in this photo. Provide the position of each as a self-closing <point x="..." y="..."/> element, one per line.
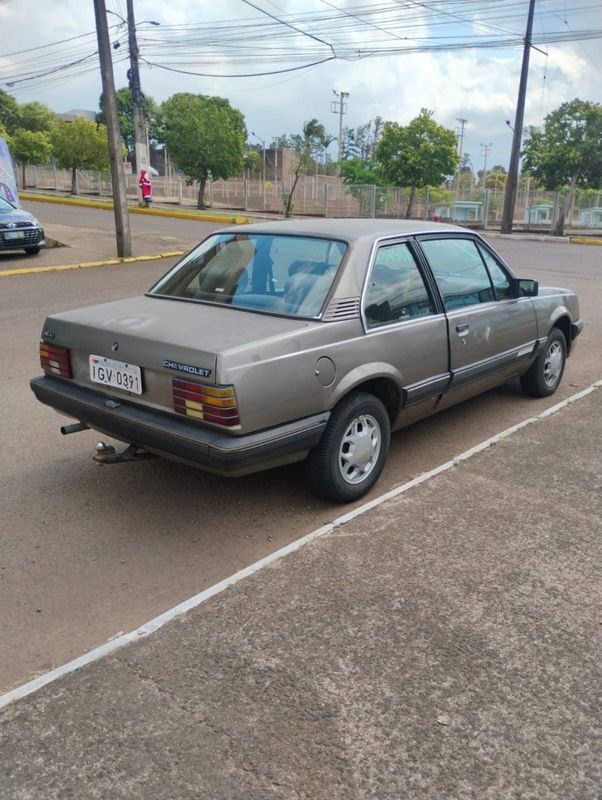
<point x="101" y="220"/>
<point x="87" y="552"/>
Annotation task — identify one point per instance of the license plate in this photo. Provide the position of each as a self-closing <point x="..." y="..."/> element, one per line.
<point x="116" y="373"/>
<point x="14" y="235"/>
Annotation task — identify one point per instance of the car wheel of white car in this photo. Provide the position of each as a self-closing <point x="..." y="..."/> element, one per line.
<point x="545" y="374"/>
<point x="352" y="451"/>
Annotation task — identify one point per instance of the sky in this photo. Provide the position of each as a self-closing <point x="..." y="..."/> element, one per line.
<point x="373" y="49"/>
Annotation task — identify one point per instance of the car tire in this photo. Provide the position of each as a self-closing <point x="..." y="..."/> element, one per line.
<point x="353" y="449"/>
<point x="32" y="251"/>
<point x="545" y="374"/>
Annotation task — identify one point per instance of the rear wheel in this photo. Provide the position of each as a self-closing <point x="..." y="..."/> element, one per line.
<point x="352" y="451"/>
<point x="545" y="374"/>
<point x="32" y="251"/>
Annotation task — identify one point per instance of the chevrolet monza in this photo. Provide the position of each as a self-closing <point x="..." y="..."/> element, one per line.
<point x="304" y="341"/>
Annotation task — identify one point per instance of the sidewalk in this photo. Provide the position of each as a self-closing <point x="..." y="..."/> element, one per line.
<point x="444" y="644"/>
<point x="94" y="246"/>
<point x="88" y="246"/>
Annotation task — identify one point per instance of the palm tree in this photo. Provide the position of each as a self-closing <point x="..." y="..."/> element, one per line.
<point x="313" y="138"/>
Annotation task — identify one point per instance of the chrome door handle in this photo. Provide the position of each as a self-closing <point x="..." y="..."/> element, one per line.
<point x="463" y="329"/>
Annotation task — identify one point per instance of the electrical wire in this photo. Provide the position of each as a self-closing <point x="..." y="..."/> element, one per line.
<point x="288" y="43"/>
<point x="241" y="75"/>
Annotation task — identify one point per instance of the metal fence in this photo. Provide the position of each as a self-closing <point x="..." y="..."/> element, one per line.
<point x="325" y="195"/>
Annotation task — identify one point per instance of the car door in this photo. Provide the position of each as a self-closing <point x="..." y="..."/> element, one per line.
<point x="406" y="326"/>
<point x="492" y="333"/>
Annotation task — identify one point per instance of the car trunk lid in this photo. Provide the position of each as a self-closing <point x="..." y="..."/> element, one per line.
<point x="167" y="339"/>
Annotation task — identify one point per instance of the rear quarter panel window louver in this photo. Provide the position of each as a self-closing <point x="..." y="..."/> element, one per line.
<point x="342" y="308"/>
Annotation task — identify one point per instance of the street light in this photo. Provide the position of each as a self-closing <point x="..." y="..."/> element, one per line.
<point x="125" y="22"/>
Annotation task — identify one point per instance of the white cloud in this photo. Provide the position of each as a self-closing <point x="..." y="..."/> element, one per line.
<point x="477" y="85"/>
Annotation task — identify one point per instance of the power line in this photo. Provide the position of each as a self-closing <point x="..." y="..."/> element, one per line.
<point x="240" y="75"/>
<point x="287" y="24"/>
<point x="362" y="31"/>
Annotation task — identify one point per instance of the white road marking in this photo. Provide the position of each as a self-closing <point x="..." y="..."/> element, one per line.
<point x="119" y="641"/>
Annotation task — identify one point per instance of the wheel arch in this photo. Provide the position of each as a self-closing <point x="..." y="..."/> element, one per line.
<point x="383" y="382"/>
<point x="563" y="323"/>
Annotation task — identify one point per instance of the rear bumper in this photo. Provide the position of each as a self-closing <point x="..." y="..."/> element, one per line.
<point x="181" y="440"/>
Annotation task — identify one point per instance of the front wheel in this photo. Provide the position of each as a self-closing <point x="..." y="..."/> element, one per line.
<point x="32" y="251"/>
<point x="545" y="374"/>
<point x="353" y="449"/>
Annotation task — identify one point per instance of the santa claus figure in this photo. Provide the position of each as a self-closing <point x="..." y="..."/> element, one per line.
<point x="145" y="187"/>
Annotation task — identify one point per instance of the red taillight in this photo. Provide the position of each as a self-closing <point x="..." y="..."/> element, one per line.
<point x="209" y="403"/>
<point x="55" y="359"/>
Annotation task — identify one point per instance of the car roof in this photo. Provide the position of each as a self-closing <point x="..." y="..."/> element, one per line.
<point x="348" y="229"/>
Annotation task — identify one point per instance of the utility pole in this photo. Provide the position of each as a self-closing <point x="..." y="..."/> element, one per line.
<point x="485" y="148"/>
<point x="141" y="139"/>
<point x="460" y="142"/>
<point x="120" y="202"/>
<point x="340" y="107"/>
<point x="512" y="178"/>
<point x="461" y="136"/>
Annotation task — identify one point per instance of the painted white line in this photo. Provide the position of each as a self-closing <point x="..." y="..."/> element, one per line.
<point x="154" y="624"/>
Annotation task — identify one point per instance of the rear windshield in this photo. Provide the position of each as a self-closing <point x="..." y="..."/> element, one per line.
<point x="289" y="275"/>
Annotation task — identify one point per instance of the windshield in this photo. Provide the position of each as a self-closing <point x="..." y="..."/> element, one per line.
<point x="5" y="205"/>
<point x="289" y="275"/>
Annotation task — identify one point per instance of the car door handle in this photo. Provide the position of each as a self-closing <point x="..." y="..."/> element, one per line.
<point x="462" y="330"/>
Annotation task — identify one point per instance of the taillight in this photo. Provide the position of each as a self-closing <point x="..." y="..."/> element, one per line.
<point x="55" y="359"/>
<point x="209" y="403"/>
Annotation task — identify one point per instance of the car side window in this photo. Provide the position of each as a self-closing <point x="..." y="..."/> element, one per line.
<point x="499" y="277"/>
<point x="459" y="271"/>
<point x="396" y="290"/>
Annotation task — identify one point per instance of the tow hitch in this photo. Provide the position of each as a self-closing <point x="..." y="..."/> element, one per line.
<point x="105" y="454"/>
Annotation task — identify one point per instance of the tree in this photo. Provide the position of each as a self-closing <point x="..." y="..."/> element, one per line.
<point x="420" y="154"/>
<point x="30" y="147"/>
<point x="495" y="179"/>
<point x="125" y="113"/>
<point x="80" y="145"/>
<point x="567" y="151"/>
<point x="36" y="117"/>
<point x="252" y="160"/>
<point x="356" y="171"/>
<point x="360" y="143"/>
<point x="312" y="140"/>
<point x="9" y="112"/>
<point x="280" y="141"/>
<point x="297" y="142"/>
<point x="205" y="136"/>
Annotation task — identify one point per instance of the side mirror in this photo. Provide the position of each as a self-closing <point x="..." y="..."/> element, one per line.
<point x="525" y="287"/>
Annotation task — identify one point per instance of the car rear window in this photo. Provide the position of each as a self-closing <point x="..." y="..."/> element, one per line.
<point x="289" y="275"/>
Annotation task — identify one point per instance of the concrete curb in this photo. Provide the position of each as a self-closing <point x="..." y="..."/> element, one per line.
<point x="109" y="262"/>
<point x="525" y="237"/>
<point x="584" y="240"/>
<point x="107" y="205"/>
